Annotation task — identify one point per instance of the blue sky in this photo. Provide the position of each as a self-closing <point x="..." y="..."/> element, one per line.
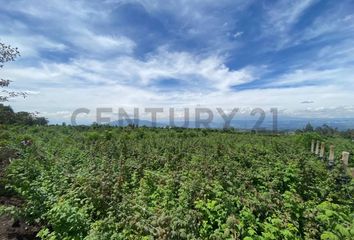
<point x="295" y="55"/>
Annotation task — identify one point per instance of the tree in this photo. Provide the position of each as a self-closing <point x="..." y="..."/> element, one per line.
<point x="41" y="121"/>
<point x="326" y="130"/>
<point x="7" y="54"/>
<point x="308" y="128"/>
<point x="8" y="116"/>
<point x="348" y="134"/>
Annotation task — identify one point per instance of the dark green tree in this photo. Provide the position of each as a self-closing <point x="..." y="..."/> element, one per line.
<point x="326" y="130"/>
<point x="7" y="115"/>
<point x="308" y="128"/>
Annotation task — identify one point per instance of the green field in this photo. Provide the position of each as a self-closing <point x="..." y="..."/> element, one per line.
<point x="144" y="183"/>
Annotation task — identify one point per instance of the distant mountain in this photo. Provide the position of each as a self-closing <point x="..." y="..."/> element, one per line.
<point x="292" y="123"/>
<point x="139" y="122"/>
<point x="283" y="123"/>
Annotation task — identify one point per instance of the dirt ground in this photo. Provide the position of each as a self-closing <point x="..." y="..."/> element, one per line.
<point x="10" y="228"/>
<point x="16" y="229"/>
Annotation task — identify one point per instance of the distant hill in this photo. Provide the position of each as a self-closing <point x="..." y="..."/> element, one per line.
<point x="284" y="123"/>
<point x="139" y="121"/>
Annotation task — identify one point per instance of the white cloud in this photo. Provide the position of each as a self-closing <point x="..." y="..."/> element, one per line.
<point x="327" y="101"/>
<point x="238" y="34"/>
<point x="31" y="45"/>
<point x="284" y="14"/>
<point x="92" y="43"/>
<point x="199" y="20"/>
<point x="103" y="88"/>
<point x="209" y="72"/>
<point x="54" y="10"/>
<point x="310" y="76"/>
<point x="64" y="26"/>
<point x="194" y="71"/>
<point x="280" y="18"/>
<point x="91" y="80"/>
<point x="329" y="23"/>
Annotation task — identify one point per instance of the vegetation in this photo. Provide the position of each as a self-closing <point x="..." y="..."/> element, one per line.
<point x="144" y="183"/>
<point x="8" y="116"/>
<point x="328" y="131"/>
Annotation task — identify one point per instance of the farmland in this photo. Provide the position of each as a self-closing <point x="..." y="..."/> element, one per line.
<point x="147" y="183"/>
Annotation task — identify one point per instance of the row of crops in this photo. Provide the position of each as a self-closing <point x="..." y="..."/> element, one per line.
<point x="144" y="183"/>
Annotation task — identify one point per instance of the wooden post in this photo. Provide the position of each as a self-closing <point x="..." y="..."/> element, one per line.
<point x="322" y="152"/>
<point x="345" y="159"/>
<point x="313" y="146"/>
<point x="331" y="155"/>
<point x="317" y="151"/>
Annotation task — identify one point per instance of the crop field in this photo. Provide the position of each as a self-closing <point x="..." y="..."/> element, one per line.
<point x="145" y="183"/>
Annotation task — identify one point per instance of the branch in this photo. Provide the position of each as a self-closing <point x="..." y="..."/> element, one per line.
<point x="11" y="94"/>
<point x="7" y="54"/>
<point x="4" y="83"/>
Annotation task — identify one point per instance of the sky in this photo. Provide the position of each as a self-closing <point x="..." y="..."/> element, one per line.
<point x="294" y="55"/>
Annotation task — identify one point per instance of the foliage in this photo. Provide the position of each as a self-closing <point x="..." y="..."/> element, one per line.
<point x="143" y="183"/>
<point x="8" y="116"/>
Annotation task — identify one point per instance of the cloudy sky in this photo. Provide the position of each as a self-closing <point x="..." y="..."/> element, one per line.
<point x="296" y="55"/>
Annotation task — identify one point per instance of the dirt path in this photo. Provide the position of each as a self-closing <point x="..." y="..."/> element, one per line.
<point x="10" y="228"/>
